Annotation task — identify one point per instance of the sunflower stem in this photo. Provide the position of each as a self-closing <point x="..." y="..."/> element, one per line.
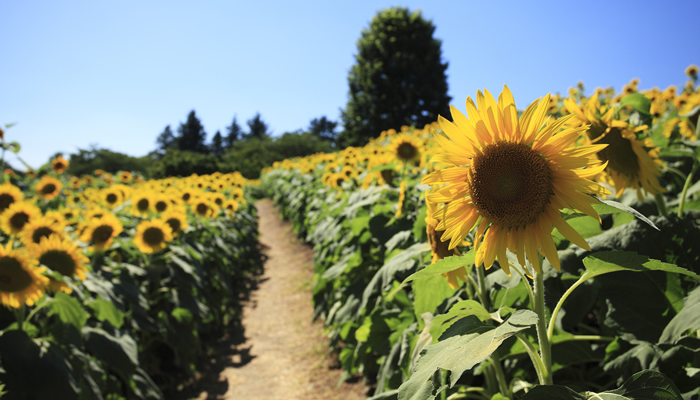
<point x="500" y="375"/>
<point x="550" y="329"/>
<point x="540" y="310"/>
<point x="485" y="300"/>
<point x="534" y="357"/>
<point x="688" y="181"/>
<point x="19" y="315"/>
<point x="661" y="204"/>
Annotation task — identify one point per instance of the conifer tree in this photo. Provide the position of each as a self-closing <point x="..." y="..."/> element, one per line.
<point x="191" y="135"/>
<point x="217" y="145"/>
<point x="235" y="133"/>
<point x="166" y="140"/>
<point x="258" y="128"/>
<point x="398" y="78"/>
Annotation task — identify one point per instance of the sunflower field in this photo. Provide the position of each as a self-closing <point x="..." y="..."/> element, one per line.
<point x="112" y="286"/>
<point x="549" y="251"/>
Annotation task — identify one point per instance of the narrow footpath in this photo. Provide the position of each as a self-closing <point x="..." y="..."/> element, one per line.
<point x="280" y="353"/>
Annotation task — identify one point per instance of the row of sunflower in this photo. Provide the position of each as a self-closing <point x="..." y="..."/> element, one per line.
<point x="113" y="286"/>
<point x="559" y="196"/>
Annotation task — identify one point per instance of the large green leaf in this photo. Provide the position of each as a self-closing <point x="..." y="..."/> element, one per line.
<point x="641" y="386"/>
<point x="687" y="319"/>
<point x="119" y="352"/>
<point x="461" y="352"/>
<point x="610" y="207"/>
<point x="68" y="310"/>
<point x="458" y="311"/>
<point x="613" y="261"/>
<point x="638" y="101"/>
<point x="429" y="293"/>
<point x="105" y="311"/>
<point x="447" y="264"/>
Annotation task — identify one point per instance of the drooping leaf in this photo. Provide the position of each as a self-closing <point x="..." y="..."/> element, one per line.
<point x="120" y="352"/>
<point x="610" y="207"/>
<point x="447" y="264"/>
<point x="612" y="261"/>
<point x="687" y="319"/>
<point x="458" y="311"/>
<point x="68" y="310"/>
<point x="460" y="353"/>
<point x="105" y="311"/>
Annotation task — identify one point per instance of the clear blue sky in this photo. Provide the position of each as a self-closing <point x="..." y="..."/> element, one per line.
<point x="115" y="74"/>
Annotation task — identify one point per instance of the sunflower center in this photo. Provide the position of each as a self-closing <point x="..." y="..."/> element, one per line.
<point x="174" y="224"/>
<point x="142" y="205"/>
<point x="112" y="198"/>
<point x="186" y="196"/>
<point x="41" y="232"/>
<point x="202" y="208"/>
<point x="510" y="184"/>
<point x="19" y="220"/>
<point x="161" y="206"/>
<point x="219" y="201"/>
<point x="58" y="166"/>
<point x="406" y="151"/>
<point x="102" y="234"/>
<point x="5" y="201"/>
<point x="13" y="277"/>
<point x="153" y="236"/>
<point x="48" y="188"/>
<point x="59" y="261"/>
<point x="619" y="153"/>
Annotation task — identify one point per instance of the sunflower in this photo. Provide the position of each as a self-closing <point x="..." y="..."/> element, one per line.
<point x="441" y="249"/>
<point x="218" y="198"/>
<point x="38" y="228"/>
<point x="63" y="256"/>
<point x="177" y="219"/>
<point x="101" y="231"/>
<point x="112" y="196"/>
<point x="510" y="177"/>
<point x="21" y="281"/>
<point x="48" y="187"/>
<point x="237" y="195"/>
<point x="9" y="194"/>
<point x="632" y="163"/>
<point x="142" y="202"/>
<point x="230" y="206"/>
<point x="17" y="215"/>
<point x="405" y="148"/>
<point x="59" y="164"/>
<point x="125" y="176"/>
<point x="692" y="71"/>
<point x="203" y="206"/>
<point x="152" y="236"/>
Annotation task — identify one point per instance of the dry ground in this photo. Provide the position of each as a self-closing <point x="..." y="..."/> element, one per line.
<point x="278" y="353"/>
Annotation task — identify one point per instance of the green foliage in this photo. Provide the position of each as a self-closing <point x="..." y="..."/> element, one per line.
<point x="184" y="163"/>
<point x="85" y="162"/>
<point x="398" y="78"/>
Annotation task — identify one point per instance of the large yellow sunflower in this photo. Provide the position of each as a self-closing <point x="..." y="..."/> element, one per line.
<point x="48" y="187"/>
<point x="102" y="231"/>
<point x="38" y="228"/>
<point x="152" y="236"/>
<point x="510" y="177"/>
<point x="9" y="194"/>
<point x="63" y="256"/>
<point x="441" y="249"/>
<point x="405" y="148"/>
<point x="21" y="281"/>
<point x="177" y="219"/>
<point x="142" y="202"/>
<point x="632" y="163"/>
<point x="17" y="215"/>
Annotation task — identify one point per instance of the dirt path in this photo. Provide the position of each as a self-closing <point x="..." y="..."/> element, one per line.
<point x="280" y="354"/>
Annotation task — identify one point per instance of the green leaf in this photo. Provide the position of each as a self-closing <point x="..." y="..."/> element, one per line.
<point x="429" y="293"/>
<point x="687" y="319"/>
<point x="460" y="353"/>
<point x="610" y="207"/>
<point x="643" y="385"/>
<point x="637" y="101"/>
<point x="612" y="261"/>
<point x="458" y="311"/>
<point x="447" y="264"/>
<point x="105" y="311"/>
<point x="68" y="310"/>
<point x="119" y="352"/>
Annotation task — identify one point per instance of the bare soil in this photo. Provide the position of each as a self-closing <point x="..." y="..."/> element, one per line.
<point x="277" y="352"/>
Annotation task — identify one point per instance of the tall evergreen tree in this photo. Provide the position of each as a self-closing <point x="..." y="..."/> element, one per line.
<point x="323" y="128"/>
<point x="398" y="78"/>
<point x="235" y="133"/>
<point x="166" y="140"/>
<point x="217" y="145"/>
<point x="258" y="128"/>
<point x="191" y="135"/>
